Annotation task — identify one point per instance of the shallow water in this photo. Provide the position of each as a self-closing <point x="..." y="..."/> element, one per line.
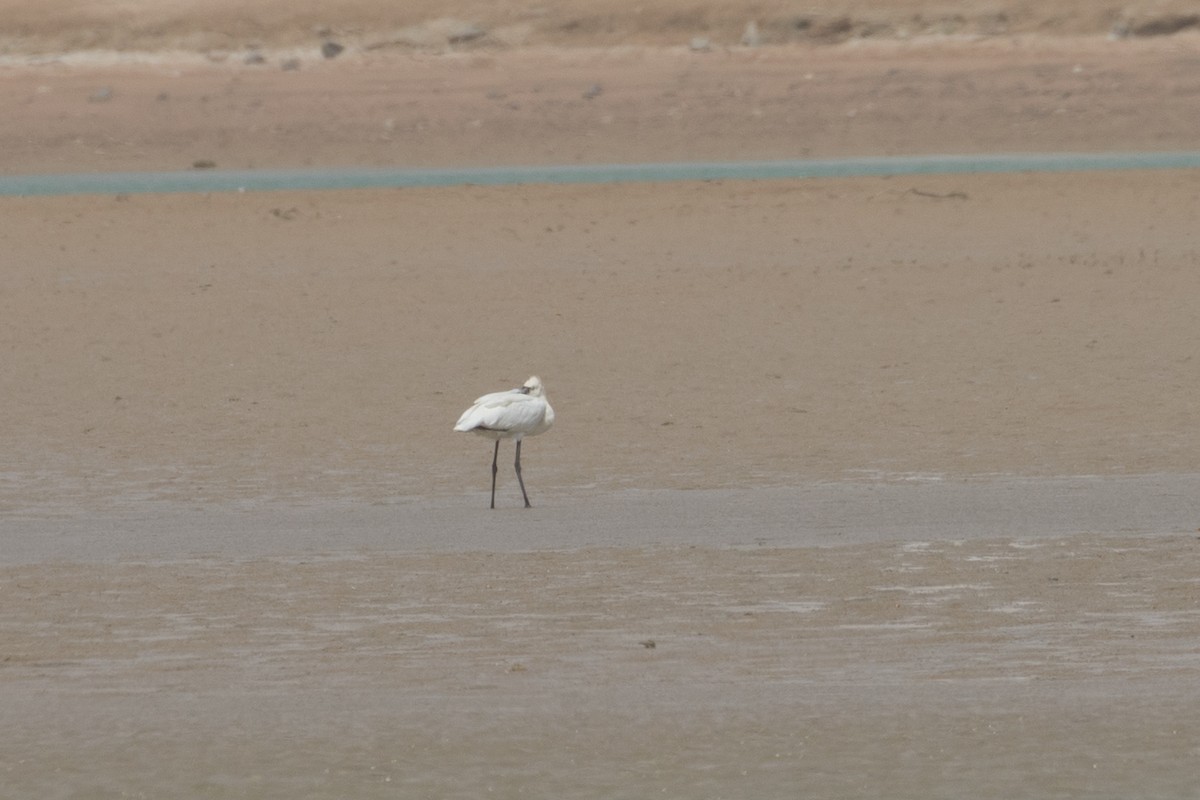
<point x="359" y="178"/>
<point x="817" y="514"/>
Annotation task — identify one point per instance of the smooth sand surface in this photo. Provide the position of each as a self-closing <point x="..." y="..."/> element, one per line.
<point x="859" y="488"/>
<point x="300" y="347"/>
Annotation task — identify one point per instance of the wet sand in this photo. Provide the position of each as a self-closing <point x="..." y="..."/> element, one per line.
<point x="872" y="487"/>
<point x="302" y="348"/>
<point x="1061" y="666"/>
<point x="812" y="515"/>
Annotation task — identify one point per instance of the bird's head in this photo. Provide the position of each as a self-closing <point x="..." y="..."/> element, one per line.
<point x="533" y="387"/>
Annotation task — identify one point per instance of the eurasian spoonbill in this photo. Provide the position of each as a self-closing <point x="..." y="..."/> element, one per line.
<point x="514" y="414"/>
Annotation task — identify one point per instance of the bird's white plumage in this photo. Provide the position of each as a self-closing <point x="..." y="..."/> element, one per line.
<point x="514" y="414"/>
<point x="509" y="415"/>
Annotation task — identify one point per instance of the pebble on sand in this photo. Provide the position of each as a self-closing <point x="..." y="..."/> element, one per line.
<point x="751" y="37"/>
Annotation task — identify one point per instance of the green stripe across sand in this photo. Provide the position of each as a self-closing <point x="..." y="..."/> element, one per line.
<point x="397" y="177"/>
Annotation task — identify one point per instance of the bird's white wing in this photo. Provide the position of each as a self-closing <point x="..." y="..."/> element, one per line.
<point x="499" y="398"/>
<point x="503" y="411"/>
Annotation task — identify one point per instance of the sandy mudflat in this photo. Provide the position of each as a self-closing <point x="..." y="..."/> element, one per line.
<point x="309" y="347"/>
<point x="859" y="488"/>
<point x="1052" y="668"/>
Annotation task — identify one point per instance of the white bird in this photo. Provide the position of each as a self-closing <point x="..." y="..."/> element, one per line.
<point x="514" y="414"/>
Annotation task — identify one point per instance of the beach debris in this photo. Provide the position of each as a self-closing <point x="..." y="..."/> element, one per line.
<point x="593" y="91"/>
<point x="649" y="644"/>
<point x="432" y="34"/>
<point x="836" y="29"/>
<point x="700" y="44"/>
<point x="955" y="195"/>
<point x="290" y="65"/>
<point x="751" y="37"/>
<point x="1165" y="25"/>
<point x="204" y="163"/>
<point x="331" y="49"/>
<point x="465" y="32"/>
<point x="254" y="57"/>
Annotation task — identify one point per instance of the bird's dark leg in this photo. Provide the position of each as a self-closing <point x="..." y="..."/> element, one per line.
<point x="520" y="480"/>
<point x="495" y="456"/>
